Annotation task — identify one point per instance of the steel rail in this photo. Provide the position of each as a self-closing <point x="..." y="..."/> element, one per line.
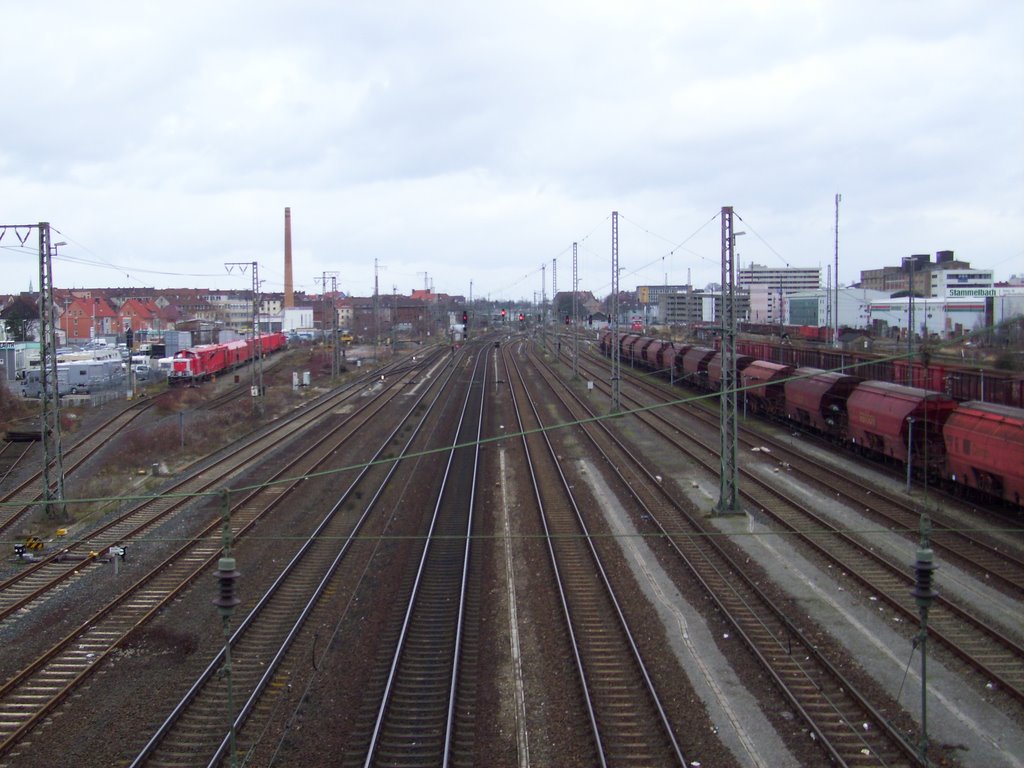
<point x="992" y="559"/>
<point x="240" y="720"/>
<point x="602" y="733"/>
<point x="45" y="574"/>
<point x="744" y="604"/>
<point x="203" y="549"/>
<point x="999" y="658"/>
<point x="417" y="754"/>
<point x="21" y="500"/>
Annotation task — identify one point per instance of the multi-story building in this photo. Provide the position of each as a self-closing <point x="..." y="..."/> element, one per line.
<point x="691" y="307"/>
<point x="649" y="296"/>
<point x="786" y="279"/>
<point x="768" y="287"/>
<point x="813" y="307"/>
<point x="233" y="308"/>
<point x="914" y="270"/>
<point x="961" y="283"/>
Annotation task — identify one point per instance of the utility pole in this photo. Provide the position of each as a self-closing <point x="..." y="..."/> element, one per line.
<point x="543" y="305"/>
<point x="53" y="455"/>
<point x="53" y="451"/>
<point x="728" y="499"/>
<point x="376" y="311"/>
<point x="554" y="307"/>
<point x="924" y="595"/>
<point x="575" y="316"/>
<point x="828" y="304"/>
<point x="328" y="307"/>
<point x="835" y="311"/>
<point x="910" y="326"/>
<point x="256" y="369"/>
<point x="616" y="366"/>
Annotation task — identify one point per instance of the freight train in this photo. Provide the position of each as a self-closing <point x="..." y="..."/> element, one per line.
<point x="197" y="364"/>
<point x="959" y="379"/>
<point x="975" y="447"/>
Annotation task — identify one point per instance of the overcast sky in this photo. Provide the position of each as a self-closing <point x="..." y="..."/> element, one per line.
<point x="476" y="141"/>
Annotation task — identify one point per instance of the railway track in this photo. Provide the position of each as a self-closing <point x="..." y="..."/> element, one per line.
<point x="12" y="453"/>
<point x="994" y="560"/>
<point x="628" y="721"/>
<point x="39" y="688"/>
<point x="77" y="559"/>
<point x="843" y="720"/>
<point x="20" y="501"/>
<point x="416" y="722"/>
<point x="194" y="732"/>
<point x="996" y="657"/>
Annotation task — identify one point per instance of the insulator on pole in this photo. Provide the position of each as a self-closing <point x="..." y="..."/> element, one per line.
<point x="924" y="567"/>
<point x="227" y="597"/>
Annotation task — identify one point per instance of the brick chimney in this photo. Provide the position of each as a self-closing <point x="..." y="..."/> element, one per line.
<point x="289" y="292"/>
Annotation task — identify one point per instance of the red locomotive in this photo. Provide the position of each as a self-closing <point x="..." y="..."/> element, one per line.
<point x="202" y="363"/>
<point x="976" y="446"/>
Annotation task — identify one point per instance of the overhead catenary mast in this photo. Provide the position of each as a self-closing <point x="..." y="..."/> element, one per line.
<point x="728" y="499"/>
<point x="575" y="317"/>
<point x="835" y="304"/>
<point x="53" y="453"/>
<point x="616" y="363"/>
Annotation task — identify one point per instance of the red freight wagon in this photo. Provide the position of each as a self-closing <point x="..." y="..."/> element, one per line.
<point x="274" y="342"/>
<point x="268" y="343"/>
<point x="659" y="355"/>
<point x="677" y="361"/>
<point x="626" y="346"/>
<point x="883" y="416"/>
<point x="817" y="399"/>
<point x="715" y="369"/>
<point x="213" y="360"/>
<point x="695" y="365"/>
<point x="235" y="353"/>
<point x="985" y="449"/>
<point x="637" y="349"/>
<point x="914" y="374"/>
<point x="767" y="386"/>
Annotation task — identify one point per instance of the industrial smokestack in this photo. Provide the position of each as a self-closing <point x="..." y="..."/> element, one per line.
<point x="289" y="293"/>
